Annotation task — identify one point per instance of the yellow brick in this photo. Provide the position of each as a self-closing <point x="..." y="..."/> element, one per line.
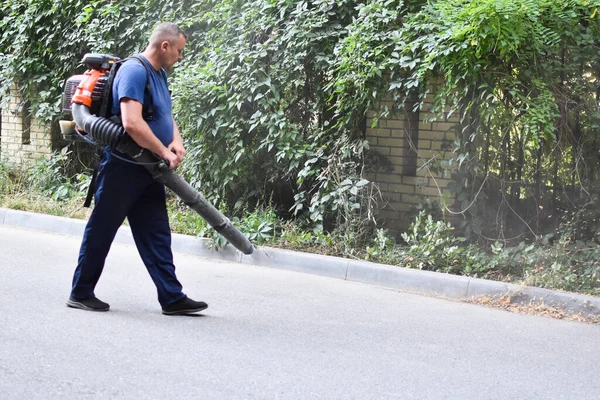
<point x="445" y="174"/>
<point x="397" y="161"/>
<point x="8" y="139"/>
<point x="399" y="151"/>
<point x="450" y="136"/>
<point x="398" y="133"/>
<point x="449" y="154"/>
<point x="431" y="135"/>
<point x="424" y="174"/>
<point x="426" y="154"/>
<point x="425" y="126"/>
<point x="39" y="132"/>
<point x="437" y="145"/>
<point x="401" y="188"/>
<point x="372" y="140"/>
<point x="414" y="180"/>
<point x="424" y="144"/>
<point x="392" y="142"/>
<point x="441" y="182"/>
<point x="379" y="132"/>
<point x="428" y="191"/>
<point x="395" y="124"/>
<point x="390" y="197"/>
<point x="443" y="126"/>
<point x="389" y="178"/>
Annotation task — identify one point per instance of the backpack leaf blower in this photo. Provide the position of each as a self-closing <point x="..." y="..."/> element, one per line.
<point x="87" y="98"/>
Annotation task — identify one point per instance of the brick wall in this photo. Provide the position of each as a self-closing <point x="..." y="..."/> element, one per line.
<point x="401" y="145"/>
<point x="22" y="140"/>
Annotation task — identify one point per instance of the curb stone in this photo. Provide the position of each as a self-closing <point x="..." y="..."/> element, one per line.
<point x="393" y="277"/>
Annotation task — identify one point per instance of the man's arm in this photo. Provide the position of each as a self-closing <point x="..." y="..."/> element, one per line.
<point x="140" y="132"/>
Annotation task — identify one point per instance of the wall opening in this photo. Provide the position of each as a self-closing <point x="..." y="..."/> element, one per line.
<point x="411" y="136"/>
<point x="26" y="118"/>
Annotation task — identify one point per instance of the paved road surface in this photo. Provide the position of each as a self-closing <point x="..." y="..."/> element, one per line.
<point x="268" y="334"/>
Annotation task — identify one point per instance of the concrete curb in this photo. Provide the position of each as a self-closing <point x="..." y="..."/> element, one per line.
<point x="404" y="279"/>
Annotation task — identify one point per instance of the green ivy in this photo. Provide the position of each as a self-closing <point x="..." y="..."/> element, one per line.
<point x="273" y="95"/>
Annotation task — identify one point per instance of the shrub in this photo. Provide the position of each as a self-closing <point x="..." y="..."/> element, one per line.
<point x="48" y="177"/>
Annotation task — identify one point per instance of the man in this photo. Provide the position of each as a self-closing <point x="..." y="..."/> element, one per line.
<point x="125" y="189"/>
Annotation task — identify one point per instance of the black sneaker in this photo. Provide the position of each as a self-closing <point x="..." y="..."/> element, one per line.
<point x="89" y="304"/>
<point x="185" y="306"/>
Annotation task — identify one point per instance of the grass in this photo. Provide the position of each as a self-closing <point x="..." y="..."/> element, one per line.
<point x="72" y="208"/>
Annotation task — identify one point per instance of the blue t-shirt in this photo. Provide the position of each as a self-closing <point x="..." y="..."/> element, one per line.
<point x="130" y="82"/>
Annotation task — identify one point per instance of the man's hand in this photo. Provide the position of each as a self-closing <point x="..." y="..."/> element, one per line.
<point x="176" y="145"/>
<point x="177" y="148"/>
<point x="171" y="157"/>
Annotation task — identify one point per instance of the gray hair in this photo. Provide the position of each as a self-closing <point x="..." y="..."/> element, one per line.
<point x="167" y="31"/>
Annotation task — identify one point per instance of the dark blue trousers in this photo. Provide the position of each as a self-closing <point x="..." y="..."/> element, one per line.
<point x="127" y="190"/>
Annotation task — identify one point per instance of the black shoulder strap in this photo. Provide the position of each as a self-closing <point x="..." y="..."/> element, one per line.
<point x="107" y="103"/>
<point x="92" y="188"/>
<point x="148" y="111"/>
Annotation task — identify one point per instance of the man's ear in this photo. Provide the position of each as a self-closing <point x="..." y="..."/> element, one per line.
<point x="164" y="45"/>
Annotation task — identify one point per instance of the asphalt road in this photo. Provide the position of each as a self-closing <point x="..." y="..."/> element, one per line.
<point x="268" y="334"/>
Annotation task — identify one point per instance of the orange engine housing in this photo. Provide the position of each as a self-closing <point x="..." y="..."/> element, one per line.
<point x="85" y="89"/>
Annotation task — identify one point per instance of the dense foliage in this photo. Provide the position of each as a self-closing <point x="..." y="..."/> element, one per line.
<point x="524" y="77"/>
<point x="273" y="94"/>
<point x="258" y="104"/>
